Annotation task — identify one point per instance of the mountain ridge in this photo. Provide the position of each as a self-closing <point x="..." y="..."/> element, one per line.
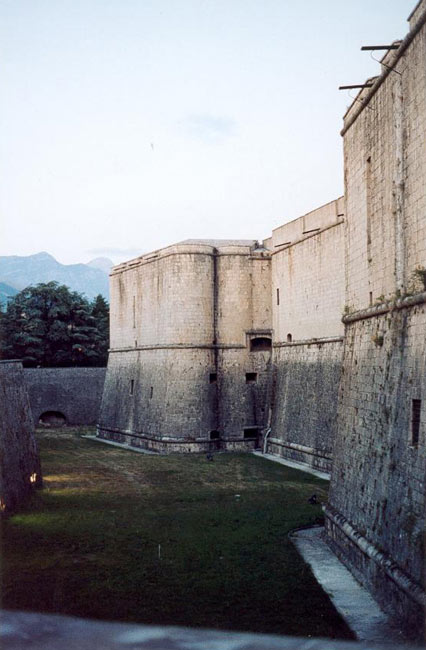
<point x="19" y="272"/>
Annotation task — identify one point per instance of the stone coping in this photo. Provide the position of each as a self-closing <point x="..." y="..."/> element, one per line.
<point x="404" y="302"/>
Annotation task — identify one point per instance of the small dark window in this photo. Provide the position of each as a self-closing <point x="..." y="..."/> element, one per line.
<point x="251" y="432"/>
<point x="151" y="393"/>
<point x="132" y="386"/>
<point x="415" y="421"/>
<point x="214" y="435"/>
<point x="371" y="298"/>
<point x="213" y="377"/>
<point x="278" y="296"/>
<point x="289" y="338"/>
<point x="260" y="343"/>
<point x="251" y="377"/>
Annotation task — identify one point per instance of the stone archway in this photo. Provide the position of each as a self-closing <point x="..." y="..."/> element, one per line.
<point x="52" y="419"/>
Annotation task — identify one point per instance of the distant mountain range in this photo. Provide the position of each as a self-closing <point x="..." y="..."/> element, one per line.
<point x="18" y="272"/>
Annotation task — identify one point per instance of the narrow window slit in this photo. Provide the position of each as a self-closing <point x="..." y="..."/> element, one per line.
<point x="415" y="421"/>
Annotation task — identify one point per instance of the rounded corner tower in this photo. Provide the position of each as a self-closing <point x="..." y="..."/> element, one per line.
<point x="181" y="319"/>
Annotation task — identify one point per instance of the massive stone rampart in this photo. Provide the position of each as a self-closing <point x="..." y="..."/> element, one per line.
<point x="308" y="299"/>
<point x="188" y="367"/>
<point x="376" y="512"/>
<point x="74" y="393"/>
<point x="20" y="469"/>
<point x="305" y="380"/>
<point x="375" y="518"/>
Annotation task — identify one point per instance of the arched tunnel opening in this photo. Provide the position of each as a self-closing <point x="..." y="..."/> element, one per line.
<point x="52" y="419"/>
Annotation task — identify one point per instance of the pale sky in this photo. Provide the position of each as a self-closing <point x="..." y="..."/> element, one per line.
<point x="128" y="125"/>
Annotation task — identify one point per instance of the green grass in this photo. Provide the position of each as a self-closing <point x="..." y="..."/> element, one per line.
<point x="88" y="544"/>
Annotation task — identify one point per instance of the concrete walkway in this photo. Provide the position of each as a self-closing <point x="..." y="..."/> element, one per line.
<point x="123" y="446"/>
<point x="294" y="464"/>
<point x="353" y="602"/>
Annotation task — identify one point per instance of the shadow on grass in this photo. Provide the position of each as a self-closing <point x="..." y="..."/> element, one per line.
<point x="167" y="541"/>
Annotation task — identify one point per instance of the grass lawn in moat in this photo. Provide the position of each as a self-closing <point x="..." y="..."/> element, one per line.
<point x="173" y="540"/>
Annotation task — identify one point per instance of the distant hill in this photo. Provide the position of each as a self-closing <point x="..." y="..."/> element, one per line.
<point x="102" y="263"/>
<point x="18" y="272"/>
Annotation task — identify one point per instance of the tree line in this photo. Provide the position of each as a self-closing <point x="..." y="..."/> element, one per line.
<point x="48" y="325"/>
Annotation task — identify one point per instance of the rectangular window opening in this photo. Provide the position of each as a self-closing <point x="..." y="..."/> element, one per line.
<point x="278" y="296"/>
<point x="214" y="435"/>
<point x="251" y="377"/>
<point x="213" y="377"/>
<point x="415" y="421"/>
<point x="251" y="432"/>
<point x="132" y="386"/>
<point x="260" y="343"/>
<point x="151" y="393"/>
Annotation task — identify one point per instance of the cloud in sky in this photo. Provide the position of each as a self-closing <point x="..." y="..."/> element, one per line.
<point x="208" y="128"/>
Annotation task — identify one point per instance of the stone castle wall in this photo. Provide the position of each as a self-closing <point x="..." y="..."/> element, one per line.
<point x="308" y="276"/>
<point x="20" y="469"/>
<point x="377" y="495"/>
<point x="304" y="412"/>
<point x="75" y="393"/>
<point x="308" y="300"/>
<point x="375" y="518"/>
<point x="385" y="170"/>
<point x="244" y="314"/>
<point x="181" y="375"/>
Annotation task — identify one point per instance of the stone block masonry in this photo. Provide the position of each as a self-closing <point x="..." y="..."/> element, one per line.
<point x="68" y="395"/>
<point x="188" y="366"/>
<point x="376" y="513"/>
<point x="375" y="518"/>
<point x="20" y="469"/>
<point x="307" y="302"/>
<point x="305" y="381"/>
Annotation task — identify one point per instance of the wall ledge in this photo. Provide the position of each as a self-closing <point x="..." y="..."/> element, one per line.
<point x="319" y="341"/>
<point x="383" y="560"/>
<point x="384" y="308"/>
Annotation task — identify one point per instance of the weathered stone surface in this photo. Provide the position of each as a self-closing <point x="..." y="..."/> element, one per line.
<point x="20" y="469"/>
<point x="182" y="375"/>
<point x="308" y="280"/>
<point x="307" y="304"/>
<point x="74" y="392"/>
<point x="305" y="384"/>
<point x="376" y="513"/>
<point x="378" y="480"/>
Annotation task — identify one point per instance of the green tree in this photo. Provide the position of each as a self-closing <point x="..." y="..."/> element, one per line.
<point x="100" y="312"/>
<point x="49" y="325"/>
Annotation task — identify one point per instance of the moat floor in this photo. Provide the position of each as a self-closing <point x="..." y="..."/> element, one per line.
<point x="166" y="540"/>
